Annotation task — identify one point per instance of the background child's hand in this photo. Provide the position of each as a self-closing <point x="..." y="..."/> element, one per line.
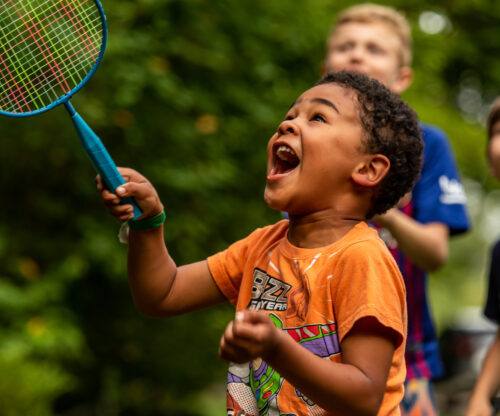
<point x="137" y="187"/>
<point x="479" y="407"/>
<point x="252" y="334"/>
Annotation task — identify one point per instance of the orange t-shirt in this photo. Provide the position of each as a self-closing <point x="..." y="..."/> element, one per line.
<point x="316" y="296"/>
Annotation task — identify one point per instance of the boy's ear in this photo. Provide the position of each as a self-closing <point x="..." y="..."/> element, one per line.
<point x="403" y="81"/>
<point x="371" y="171"/>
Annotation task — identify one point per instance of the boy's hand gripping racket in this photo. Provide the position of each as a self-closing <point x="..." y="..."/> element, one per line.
<point x="48" y="50"/>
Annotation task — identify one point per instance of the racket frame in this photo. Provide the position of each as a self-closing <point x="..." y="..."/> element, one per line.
<point x="92" y="144"/>
<point x="62" y="99"/>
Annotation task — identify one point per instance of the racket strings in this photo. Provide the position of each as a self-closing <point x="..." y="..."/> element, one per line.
<point x="32" y="62"/>
<point x="55" y="50"/>
<point x="96" y="20"/>
<point x="36" y="13"/>
<point x="78" y="63"/>
<point x="47" y="48"/>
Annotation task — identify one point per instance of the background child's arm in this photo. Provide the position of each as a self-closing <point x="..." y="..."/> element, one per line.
<point x="488" y="382"/>
<point x="159" y="287"/>
<point x="355" y="386"/>
<point x="425" y="244"/>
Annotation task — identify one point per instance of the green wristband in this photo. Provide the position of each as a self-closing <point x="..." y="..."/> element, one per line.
<point x="148" y="223"/>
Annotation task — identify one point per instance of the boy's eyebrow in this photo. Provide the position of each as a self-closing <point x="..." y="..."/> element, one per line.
<point x="295" y="103"/>
<point x="320" y="101"/>
<point x="325" y="102"/>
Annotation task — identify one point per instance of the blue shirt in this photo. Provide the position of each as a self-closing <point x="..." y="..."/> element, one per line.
<point x="438" y="196"/>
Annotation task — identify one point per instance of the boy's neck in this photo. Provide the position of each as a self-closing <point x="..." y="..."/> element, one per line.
<point x="318" y="229"/>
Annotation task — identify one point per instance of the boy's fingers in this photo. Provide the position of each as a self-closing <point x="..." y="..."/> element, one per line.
<point x="256" y="331"/>
<point x="145" y="196"/>
<point x="98" y="181"/>
<point x="228" y="332"/>
<point x="227" y="352"/>
<point x="135" y="186"/>
<point x="237" y="334"/>
<point x="109" y="198"/>
<point x="121" y="212"/>
<point x="230" y="350"/>
<point x="239" y="318"/>
<point x="128" y="175"/>
<point x="226" y="347"/>
<point x="131" y="175"/>
<point x="246" y="334"/>
<point x="124" y="209"/>
<point x="253" y="316"/>
<point x="134" y="189"/>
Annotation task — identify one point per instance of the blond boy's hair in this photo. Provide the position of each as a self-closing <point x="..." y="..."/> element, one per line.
<point x="374" y="13"/>
<point x="493" y="117"/>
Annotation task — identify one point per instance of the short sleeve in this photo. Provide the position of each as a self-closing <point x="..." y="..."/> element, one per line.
<point x="369" y="285"/>
<point x="227" y="267"/>
<point x="439" y="196"/>
<point x="492" y="307"/>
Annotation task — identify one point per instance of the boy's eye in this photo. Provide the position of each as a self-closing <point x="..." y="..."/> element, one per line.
<point x="375" y="49"/>
<point x="343" y="47"/>
<point x="318" y="117"/>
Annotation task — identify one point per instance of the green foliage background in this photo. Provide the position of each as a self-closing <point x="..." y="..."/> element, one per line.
<point x="188" y="93"/>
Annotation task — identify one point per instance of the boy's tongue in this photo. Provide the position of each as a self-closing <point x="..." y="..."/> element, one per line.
<point x="285" y="161"/>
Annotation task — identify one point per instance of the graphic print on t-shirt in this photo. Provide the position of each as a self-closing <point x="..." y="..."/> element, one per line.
<point x="268" y="293"/>
<point x="253" y="388"/>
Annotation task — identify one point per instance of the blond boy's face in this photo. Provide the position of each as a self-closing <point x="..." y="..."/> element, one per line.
<point x="314" y="151"/>
<point x="372" y="49"/>
<point x="494" y="151"/>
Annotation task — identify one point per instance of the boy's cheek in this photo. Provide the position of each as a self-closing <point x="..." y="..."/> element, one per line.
<point x="333" y="63"/>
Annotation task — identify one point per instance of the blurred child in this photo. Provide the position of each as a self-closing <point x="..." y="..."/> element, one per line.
<point x="488" y="382"/>
<point x="321" y="317"/>
<point x="375" y="40"/>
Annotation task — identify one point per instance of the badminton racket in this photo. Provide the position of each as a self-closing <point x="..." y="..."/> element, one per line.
<point x="49" y="49"/>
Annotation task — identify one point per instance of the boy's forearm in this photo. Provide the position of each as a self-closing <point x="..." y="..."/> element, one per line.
<point x="151" y="270"/>
<point x="333" y="386"/>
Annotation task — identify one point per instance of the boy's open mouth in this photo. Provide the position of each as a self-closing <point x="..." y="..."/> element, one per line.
<point x="284" y="159"/>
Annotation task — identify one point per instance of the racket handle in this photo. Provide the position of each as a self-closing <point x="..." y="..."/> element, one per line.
<point x="100" y="157"/>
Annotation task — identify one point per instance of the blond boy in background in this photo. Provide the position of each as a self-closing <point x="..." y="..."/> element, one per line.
<point x="376" y="41"/>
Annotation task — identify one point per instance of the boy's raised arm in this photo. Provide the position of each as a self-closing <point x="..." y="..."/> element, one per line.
<point x="158" y="286"/>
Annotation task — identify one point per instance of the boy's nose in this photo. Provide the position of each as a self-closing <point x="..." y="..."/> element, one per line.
<point x="356" y="55"/>
<point x="287" y="126"/>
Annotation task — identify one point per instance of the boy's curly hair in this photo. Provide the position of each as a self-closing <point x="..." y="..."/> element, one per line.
<point x="392" y="129"/>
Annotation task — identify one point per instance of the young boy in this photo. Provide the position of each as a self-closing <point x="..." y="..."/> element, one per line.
<point x="488" y="382"/>
<point x="321" y="315"/>
<point x="376" y="41"/>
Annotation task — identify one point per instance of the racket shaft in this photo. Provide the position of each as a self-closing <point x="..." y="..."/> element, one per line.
<point x="101" y="159"/>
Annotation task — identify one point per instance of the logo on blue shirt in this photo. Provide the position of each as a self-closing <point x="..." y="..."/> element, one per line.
<point x="452" y="191"/>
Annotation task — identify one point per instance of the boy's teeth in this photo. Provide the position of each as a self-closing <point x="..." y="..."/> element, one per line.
<point x="283" y="148"/>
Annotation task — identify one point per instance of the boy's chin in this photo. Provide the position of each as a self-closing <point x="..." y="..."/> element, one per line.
<point x="274" y="203"/>
<point x="275" y="206"/>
